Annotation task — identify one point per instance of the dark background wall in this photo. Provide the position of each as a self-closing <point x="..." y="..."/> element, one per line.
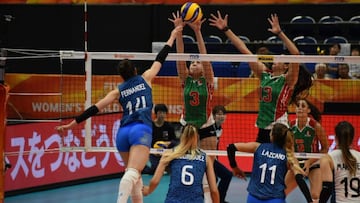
<point x="134" y="27"/>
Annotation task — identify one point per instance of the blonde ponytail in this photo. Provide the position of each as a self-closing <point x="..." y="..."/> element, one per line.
<point x="289" y="148"/>
<point x="188" y="144"/>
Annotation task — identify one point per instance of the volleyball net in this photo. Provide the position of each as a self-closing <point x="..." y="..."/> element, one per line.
<point x="82" y="78"/>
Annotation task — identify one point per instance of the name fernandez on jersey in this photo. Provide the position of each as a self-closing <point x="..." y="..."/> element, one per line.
<point x="132" y="90"/>
<point x="273" y="155"/>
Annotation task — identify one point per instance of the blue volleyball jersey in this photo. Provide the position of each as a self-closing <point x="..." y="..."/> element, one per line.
<point x="186" y="179"/>
<point x="136" y="101"/>
<point x="268" y="172"/>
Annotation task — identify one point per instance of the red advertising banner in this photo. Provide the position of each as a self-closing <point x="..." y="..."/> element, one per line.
<point x="32" y="149"/>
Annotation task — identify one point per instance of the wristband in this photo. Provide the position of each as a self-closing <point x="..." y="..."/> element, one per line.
<point x="87" y="114"/>
<point x="226" y="28"/>
<point x="231" y="149"/>
<point x="279" y="32"/>
<point x="163" y="54"/>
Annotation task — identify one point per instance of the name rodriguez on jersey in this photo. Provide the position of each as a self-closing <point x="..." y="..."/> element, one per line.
<point x="198" y="157"/>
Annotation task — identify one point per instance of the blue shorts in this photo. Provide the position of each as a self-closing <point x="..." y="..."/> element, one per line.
<point x="135" y="133"/>
<point x="252" y="199"/>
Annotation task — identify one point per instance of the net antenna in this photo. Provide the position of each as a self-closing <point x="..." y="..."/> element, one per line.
<point x="88" y="72"/>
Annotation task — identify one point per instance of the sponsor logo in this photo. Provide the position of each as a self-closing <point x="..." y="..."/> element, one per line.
<point x="265" y="58"/>
<point x="194" y="57"/>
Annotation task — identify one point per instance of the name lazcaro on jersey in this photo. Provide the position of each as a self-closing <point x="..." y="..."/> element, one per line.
<point x="273" y="155"/>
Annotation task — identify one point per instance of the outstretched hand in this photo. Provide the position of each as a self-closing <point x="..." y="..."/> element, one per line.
<point x="146" y="190"/>
<point x="62" y="128"/>
<point x="177" y="20"/>
<point x="274" y="22"/>
<point x="196" y="25"/>
<point x="239" y="173"/>
<point x="218" y="21"/>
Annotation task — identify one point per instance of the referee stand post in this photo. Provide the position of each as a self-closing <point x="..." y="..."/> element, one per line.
<point x="4" y="90"/>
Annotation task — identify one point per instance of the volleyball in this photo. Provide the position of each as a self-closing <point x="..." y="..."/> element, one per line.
<point x="161" y="145"/>
<point x="191" y="12"/>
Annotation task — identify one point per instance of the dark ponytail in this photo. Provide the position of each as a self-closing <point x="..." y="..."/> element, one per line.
<point x="303" y="84"/>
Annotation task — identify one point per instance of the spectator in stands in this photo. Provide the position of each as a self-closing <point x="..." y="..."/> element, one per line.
<point x="355" y="68"/>
<point x="283" y="85"/>
<point x="163" y="136"/>
<point x="343" y="71"/>
<point x="320" y="71"/>
<point x="332" y="68"/>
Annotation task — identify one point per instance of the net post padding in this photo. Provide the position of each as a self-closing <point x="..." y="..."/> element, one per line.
<point x="4" y="90"/>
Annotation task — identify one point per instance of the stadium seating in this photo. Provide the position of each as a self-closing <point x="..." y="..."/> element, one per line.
<point x="213" y="39"/>
<point x="273" y="39"/>
<point x="188" y="39"/>
<point x="328" y="26"/>
<point x="305" y="40"/>
<point x="330" y="19"/>
<point x="354" y="29"/>
<point x="297" y="27"/>
<point x="302" y="19"/>
<point x="335" y="40"/>
<point x="242" y="37"/>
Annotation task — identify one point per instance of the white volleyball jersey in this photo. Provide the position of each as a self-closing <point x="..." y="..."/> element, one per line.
<point x="346" y="185"/>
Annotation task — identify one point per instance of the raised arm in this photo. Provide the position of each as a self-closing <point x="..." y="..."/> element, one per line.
<point x="91" y="111"/>
<point x="222" y="24"/>
<point x="275" y="29"/>
<point x="182" y="70"/>
<point x="293" y="71"/>
<point x="208" y="70"/>
<point x="150" y="74"/>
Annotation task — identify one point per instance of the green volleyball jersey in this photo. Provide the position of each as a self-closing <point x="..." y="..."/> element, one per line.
<point x="305" y="140"/>
<point x="197" y="97"/>
<point x="275" y="95"/>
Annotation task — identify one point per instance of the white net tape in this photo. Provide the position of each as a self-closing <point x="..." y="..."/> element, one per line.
<point x="213" y="57"/>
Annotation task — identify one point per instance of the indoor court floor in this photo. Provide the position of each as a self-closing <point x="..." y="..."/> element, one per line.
<point x="105" y="191"/>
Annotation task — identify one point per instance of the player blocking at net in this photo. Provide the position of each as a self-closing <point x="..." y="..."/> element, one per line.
<point x="133" y="139"/>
